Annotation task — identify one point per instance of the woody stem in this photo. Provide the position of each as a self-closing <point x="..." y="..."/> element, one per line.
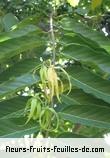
<point x="52" y="39"/>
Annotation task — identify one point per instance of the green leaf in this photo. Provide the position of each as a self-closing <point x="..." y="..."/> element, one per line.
<point x="33" y="20"/>
<point x="90" y="82"/>
<point x="12" y="121"/>
<point x="15" y="128"/>
<point x="13" y="108"/>
<point x="19" y="69"/>
<point x="14" y="85"/>
<point x="70" y="135"/>
<point x="17" y="33"/>
<point x="70" y="24"/>
<point x="86" y="55"/>
<point x="95" y="4"/>
<point x="72" y="38"/>
<point x="77" y="96"/>
<point x="18" y="76"/>
<point x="15" y="46"/>
<point x="9" y="20"/>
<point x="90" y="115"/>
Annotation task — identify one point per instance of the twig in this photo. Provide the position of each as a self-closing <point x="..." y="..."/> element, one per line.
<point x="52" y="38"/>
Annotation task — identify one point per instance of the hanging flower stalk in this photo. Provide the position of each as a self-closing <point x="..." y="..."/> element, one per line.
<point x="49" y="76"/>
<point x="51" y="81"/>
<point x="51" y="85"/>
